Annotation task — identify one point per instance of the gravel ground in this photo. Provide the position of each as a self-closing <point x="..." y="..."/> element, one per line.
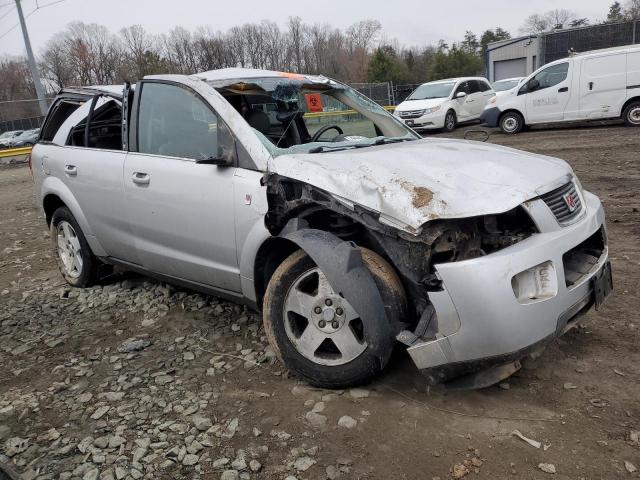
<point x="137" y="379"/>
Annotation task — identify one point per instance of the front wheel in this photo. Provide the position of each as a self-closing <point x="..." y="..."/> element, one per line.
<point x="450" y="121"/>
<point x="631" y="115"/>
<point x="78" y="265"/>
<point x="317" y="334"/>
<point x="511" y="123"/>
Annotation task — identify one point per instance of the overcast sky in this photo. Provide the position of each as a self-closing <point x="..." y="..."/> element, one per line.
<point x="412" y="22"/>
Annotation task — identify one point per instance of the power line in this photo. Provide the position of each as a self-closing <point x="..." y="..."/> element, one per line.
<point x="38" y="7"/>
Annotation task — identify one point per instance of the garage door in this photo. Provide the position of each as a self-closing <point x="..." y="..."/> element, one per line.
<point x="509" y="69"/>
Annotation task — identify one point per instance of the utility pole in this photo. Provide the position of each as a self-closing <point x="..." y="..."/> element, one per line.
<point x="32" y="62"/>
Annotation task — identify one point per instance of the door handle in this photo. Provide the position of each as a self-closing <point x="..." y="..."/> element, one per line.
<point x="590" y="85"/>
<point x="140" y="178"/>
<point x="563" y="89"/>
<point x="71" y="170"/>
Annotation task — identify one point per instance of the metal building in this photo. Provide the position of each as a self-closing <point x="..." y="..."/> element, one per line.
<point x="521" y="56"/>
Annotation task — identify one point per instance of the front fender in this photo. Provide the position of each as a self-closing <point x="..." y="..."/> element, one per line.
<point x="54" y="186"/>
<point x="342" y="264"/>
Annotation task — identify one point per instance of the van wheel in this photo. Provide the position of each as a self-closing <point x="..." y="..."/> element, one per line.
<point x="511" y="123"/>
<point x="317" y="334"/>
<point x="450" y="121"/>
<point x="631" y="114"/>
<point x="76" y="262"/>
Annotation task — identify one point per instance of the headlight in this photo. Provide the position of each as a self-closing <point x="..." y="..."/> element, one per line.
<point x="492" y="100"/>
<point x="433" y="109"/>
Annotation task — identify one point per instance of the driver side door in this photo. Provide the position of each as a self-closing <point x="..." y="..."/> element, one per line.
<point x="463" y="104"/>
<point x="181" y="211"/>
<point x="549" y="98"/>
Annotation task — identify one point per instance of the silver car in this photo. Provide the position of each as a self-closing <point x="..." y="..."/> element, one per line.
<point x="349" y="232"/>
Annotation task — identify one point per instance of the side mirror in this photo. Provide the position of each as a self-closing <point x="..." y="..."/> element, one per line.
<point x="461" y="95"/>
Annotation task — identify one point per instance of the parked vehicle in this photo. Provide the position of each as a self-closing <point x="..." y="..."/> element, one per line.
<point x="445" y="103"/>
<point x="597" y="85"/>
<point x="345" y="228"/>
<point x="6" y="137"/>
<point x="27" y="138"/>
<point x="506" y="84"/>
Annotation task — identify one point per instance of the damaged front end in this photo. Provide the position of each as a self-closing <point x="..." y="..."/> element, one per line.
<point x="296" y="206"/>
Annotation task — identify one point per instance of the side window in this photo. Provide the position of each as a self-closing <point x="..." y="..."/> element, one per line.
<point x="175" y="122"/>
<point x="105" y="127"/>
<point x="60" y="111"/>
<point x="463" y="87"/>
<point x="552" y="76"/>
<point x="484" y="86"/>
<point x="474" y="86"/>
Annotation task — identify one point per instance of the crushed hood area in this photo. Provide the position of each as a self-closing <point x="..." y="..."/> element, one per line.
<point x="411" y="183"/>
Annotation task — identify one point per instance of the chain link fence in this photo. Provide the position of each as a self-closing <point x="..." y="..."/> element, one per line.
<point x="20" y="115"/>
<point x="25" y="114"/>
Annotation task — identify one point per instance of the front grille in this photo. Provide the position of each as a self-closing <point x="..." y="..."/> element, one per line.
<point x="412" y="114"/>
<point x="561" y="200"/>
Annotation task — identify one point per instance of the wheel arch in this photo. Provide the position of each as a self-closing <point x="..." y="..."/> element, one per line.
<point x="271" y="253"/>
<point x="512" y="110"/>
<point x="629" y="102"/>
<point x="56" y="194"/>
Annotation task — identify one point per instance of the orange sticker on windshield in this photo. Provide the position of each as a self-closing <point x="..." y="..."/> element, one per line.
<point x="314" y="102"/>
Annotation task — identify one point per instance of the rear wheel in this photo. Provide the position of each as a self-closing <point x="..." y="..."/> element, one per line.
<point x="631" y="114"/>
<point x="76" y="262"/>
<point x="511" y="123"/>
<point x="316" y="332"/>
<point x="450" y="121"/>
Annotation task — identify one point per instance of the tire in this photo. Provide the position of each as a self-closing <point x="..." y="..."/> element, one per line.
<point x="450" y="121"/>
<point x="511" y="123"/>
<point x="327" y="366"/>
<point x="76" y="262"/>
<point x="631" y="114"/>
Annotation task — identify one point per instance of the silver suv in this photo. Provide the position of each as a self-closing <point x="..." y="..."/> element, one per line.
<point x="347" y="230"/>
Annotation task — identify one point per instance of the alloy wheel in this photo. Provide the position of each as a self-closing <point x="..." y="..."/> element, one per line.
<point x="69" y="249"/>
<point x="322" y="325"/>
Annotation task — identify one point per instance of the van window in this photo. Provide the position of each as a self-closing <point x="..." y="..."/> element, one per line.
<point x="463" y="87"/>
<point x="552" y="76"/>
<point x="484" y="86"/>
<point x="474" y="86"/>
<point x="175" y="122"/>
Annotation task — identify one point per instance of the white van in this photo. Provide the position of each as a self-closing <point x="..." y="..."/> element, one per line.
<point x="590" y="86"/>
<point x="445" y="103"/>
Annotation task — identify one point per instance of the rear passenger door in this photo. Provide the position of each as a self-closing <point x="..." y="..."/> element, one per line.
<point x="181" y="212"/>
<point x="90" y="164"/>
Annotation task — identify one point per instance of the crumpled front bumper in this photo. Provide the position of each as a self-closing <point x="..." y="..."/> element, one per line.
<point x="480" y="320"/>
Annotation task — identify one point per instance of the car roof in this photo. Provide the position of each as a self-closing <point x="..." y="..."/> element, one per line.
<point x="456" y="79"/>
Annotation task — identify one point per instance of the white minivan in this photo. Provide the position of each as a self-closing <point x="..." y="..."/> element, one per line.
<point x="596" y="85"/>
<point x="445" y="103"/>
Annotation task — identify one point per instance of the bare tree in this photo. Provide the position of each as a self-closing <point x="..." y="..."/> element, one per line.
<point x="632" y="10"/>
<point x="551" y="20"/>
